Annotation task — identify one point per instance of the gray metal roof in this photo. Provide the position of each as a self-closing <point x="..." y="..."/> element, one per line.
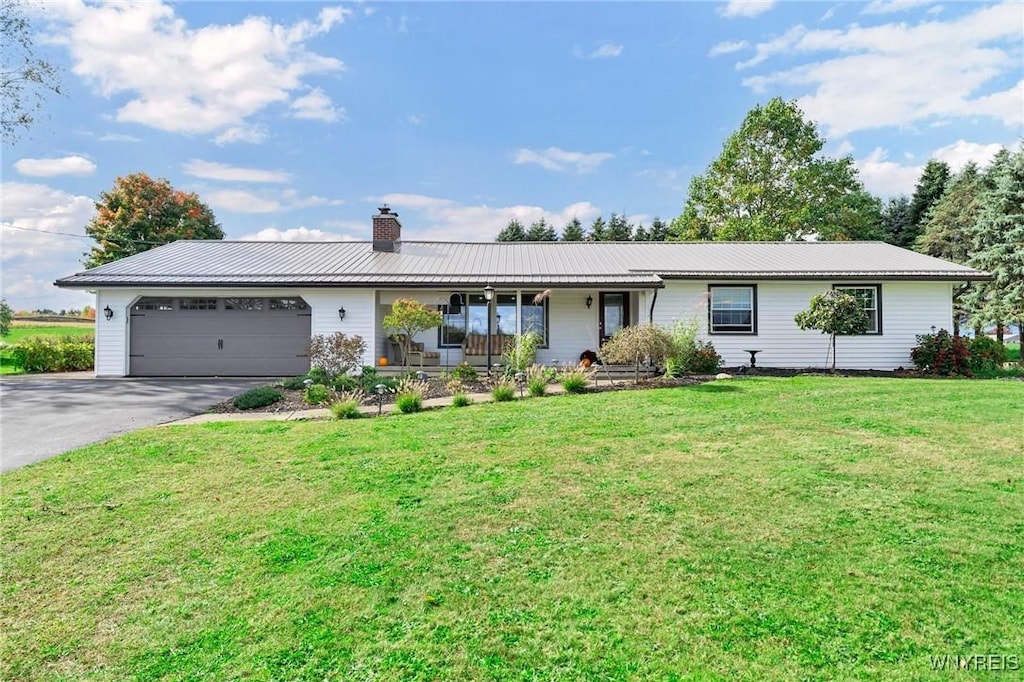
<point x="549" y="264"/>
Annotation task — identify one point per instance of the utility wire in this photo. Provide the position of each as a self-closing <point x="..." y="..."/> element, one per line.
<point x="81" y="236"/>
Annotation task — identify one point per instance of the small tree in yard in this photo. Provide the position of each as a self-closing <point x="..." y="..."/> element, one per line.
<point x="834" y="313"/>
<point x="637" y="343"/>
<point x="5" y="318"/>
<point x="336" y="354"/>
<point x="410" y="317"/>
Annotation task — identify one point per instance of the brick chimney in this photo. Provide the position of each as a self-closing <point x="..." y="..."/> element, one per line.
<point x="387" y="231"/>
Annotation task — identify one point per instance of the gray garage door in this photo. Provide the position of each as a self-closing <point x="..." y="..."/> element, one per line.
<point x="233" y="337"/>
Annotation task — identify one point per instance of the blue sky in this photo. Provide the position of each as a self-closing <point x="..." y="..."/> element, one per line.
<point x="296" y="120"/>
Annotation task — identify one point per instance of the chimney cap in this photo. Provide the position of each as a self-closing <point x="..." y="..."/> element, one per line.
<point x="386" y="210"/>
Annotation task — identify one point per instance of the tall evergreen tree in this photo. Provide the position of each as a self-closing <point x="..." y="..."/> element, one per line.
<point x="930" y="187"/>
<point x="658" y="231"/>
<point x="997" y="244"/>
<point x="598" y="231"/>
<point x="641" y="233"/>
<point x="513" y="232"/>
<point x="573" y="231"/>
<point x="540" y="231"/>
<point x="946" y="227"/>
<point x="897" y="224"/>
<point x="619" y="229"/>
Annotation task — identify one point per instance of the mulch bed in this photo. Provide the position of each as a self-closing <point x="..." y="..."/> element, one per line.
<point x="293" y="401"/>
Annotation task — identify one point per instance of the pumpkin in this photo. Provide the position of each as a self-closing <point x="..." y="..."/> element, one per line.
<point x="585" y="362"/>
<point x="382" y="361"/>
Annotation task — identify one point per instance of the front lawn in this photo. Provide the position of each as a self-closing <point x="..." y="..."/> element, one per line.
<point x="751" y="529"/>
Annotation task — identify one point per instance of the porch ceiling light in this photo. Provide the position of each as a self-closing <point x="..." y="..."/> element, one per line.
<point x="108" y="313"/>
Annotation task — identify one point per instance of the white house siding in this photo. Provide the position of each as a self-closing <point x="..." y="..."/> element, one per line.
<point x="908" y="309"/>
<point x="112" y="337"/>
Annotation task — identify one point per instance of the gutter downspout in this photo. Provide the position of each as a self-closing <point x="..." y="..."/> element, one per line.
<point x="650" y="315"/>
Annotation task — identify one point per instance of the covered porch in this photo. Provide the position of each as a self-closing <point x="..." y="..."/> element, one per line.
<point x="568" y="320"/>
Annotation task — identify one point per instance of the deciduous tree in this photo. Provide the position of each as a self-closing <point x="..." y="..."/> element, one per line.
<point x="410" y="317"/>
<point x="25" y="79"/>
<point x="771" y="183"/>
<point x="5" y="318"/>
<point x="834" y="313"/>
<point x="139" y="213"/>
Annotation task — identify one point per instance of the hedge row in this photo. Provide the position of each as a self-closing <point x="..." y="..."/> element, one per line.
<point x="61" y="354"/>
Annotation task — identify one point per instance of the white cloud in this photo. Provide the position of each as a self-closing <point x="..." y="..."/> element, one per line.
<point x="250" y="134"/>
<point x="888" y="178"/>
<point x="296" y="234"/>
<point x="42" y="213"/>
<point x="745" y="8"/>
<point x="606" y="50"/>
<point x="891" y="6"/>
<point x="48" y="168"/>
<point x="727" y="47"/>
<point x="961" y="152"/>
<point x="244" y="201"/>
<point x="118" y="137"/>
<point x="416" y="119"/>
<point x="212" y="170"/>
<point x="900" y="74"/>
<point x="190" y="80"/>
<point x="447" y="220"/>
<point x="556" y="159"/>
<point x="316" y="106"/>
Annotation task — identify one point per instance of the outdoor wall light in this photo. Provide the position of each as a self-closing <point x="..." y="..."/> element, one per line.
<point x="590" y="302"/>
<point x="108" y="313"/>
<point x="341" y="314"/>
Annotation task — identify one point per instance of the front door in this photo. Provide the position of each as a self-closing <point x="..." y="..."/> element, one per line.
<point x="614" y="312"/>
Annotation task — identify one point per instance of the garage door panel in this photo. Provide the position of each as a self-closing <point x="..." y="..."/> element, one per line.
<point x="220" y="342"/>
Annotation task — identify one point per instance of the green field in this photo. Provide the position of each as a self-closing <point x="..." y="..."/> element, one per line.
<point x="807" y="528"/>
<point x="1013" y="352"/>
<point x="25" y="330"/>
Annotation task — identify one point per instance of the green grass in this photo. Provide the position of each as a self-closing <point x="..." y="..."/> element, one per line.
<point x="22" y="330"/>
<point x="1013" y="352"/>
<point x="761" y="528"/>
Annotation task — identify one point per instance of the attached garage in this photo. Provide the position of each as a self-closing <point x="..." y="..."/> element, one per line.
<point x="207" y="336"/>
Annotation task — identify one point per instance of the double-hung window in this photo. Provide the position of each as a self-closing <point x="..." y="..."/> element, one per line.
<point x="733" y="309"/>
<point x="870" y="298"/>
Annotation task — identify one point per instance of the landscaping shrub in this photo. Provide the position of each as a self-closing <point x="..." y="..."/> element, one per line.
<point x="408" y="402"/>
<point x="63" y="354"/>
<point x="942" y="353"/>
<point x="464" y="372"/>
<point x="293" y="383"/>
<point x="503" y="391"/>
<point x="260" y="396"/>
<point x="317" y="375"/>
<point x="316" y="394"/>
<point x="336" y="354"/>
<point x="987" y="354"/>
<point x="410" y="394"/>
<point x="346" y="409"/>
<point x="638" y="344"/>
<point x="347" y="382"/>
<point x="461" y="400"/>
<point x="537" y="377"/>
<point x="690" y="355"/>
<point x="576" y="380"/>
<point x="521" y="352"/>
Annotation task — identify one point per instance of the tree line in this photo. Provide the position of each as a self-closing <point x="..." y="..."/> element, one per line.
<point x="772" y="183"/>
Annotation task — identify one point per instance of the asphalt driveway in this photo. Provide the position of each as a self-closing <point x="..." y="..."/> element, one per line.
<point x="45" y="416"/>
